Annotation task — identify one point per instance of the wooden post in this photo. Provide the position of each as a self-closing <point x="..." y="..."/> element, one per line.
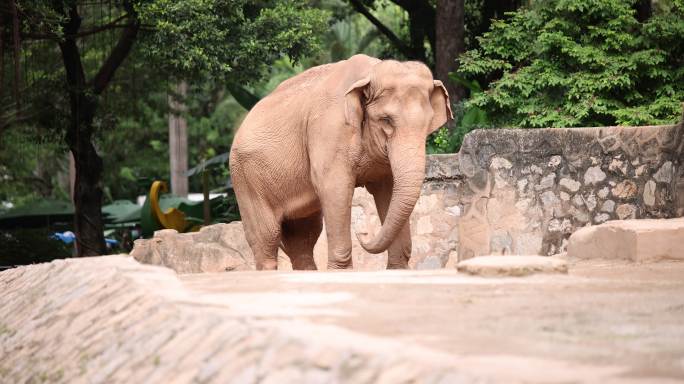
<point x="72" y="176"/>
<point x="178" y="142"/>
<point x="205" y="191"/>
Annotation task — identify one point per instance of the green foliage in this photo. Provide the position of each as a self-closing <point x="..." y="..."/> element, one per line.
<point x="30" y="166"/>
<point x="467" y="117"/>
<point x="348" y="37"/>
<point x="227" y="38"/>
<point x="441" y="141"/>
<point x="569" y="63"/>
<point x="138" y="150"/>
<point x="209" y="43"/>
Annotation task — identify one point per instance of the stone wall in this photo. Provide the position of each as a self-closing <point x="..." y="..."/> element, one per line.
<point x="530" y="189"/>
<point x="508" y="191"/>
<point x="514" y="191"/>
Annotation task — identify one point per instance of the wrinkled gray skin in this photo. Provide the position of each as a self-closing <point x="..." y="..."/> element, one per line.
<point x="302" y="150"/>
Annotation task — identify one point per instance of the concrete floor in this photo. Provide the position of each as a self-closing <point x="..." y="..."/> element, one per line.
<point x="113" y="320"/>
<point x="605" y="320"/>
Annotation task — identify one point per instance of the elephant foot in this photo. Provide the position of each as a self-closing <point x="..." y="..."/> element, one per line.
<point x="340" y="259"/>
<point x="303" y="265"/>
<point x="339" y="265"/>
<point x="398" y="264"/>
<point x="267" y="265"/>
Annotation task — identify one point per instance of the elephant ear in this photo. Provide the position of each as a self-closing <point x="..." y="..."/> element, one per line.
<point x="353" y="103"/>
<point x="441" y="107"/>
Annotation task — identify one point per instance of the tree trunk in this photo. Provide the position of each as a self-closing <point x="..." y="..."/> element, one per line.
<point x="644" y="10"/>
<point x="178" y="142"/>
<point x="421" y="26"/>
<point x="87" y="189"/>
<point x="417" y="33"/>
<point x="496" y="9"/>
<point x="450" y="44"/>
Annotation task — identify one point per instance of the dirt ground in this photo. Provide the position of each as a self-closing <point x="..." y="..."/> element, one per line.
<point x="605" y="321"/>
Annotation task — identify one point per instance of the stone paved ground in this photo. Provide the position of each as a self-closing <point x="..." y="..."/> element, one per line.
<point x="111" y="319"/>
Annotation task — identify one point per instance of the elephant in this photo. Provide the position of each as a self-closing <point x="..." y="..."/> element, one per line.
<point x="300" y="152"/>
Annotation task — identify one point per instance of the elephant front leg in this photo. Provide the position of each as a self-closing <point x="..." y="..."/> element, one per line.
<point x="399" y="252"/>
<point x="336" y="197"/>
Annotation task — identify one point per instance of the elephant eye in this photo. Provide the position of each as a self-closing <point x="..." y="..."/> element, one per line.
<point x="386" y="119"/>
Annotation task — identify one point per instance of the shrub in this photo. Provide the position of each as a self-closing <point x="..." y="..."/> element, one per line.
<point x="569" y="63"/>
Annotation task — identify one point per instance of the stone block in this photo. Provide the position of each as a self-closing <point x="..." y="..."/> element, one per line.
<point x="635" y="240"/>
<point x="512" y="265"/>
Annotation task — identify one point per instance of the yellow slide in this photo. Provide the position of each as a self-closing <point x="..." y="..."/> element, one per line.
<point x="172" y="218"/>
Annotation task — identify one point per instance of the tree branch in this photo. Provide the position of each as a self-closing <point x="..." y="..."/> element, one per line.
<point x="8" y="120"/>
<point x="111" y="25"/>
<point x="396" y="41"/>
<point x="244" y="97"/>
<point x="422" y="17"/>
<point x="70" y="55"/>
<point x="17" y="51"/>
<point x="116" y="57"/>
<point x="46" y="36"/>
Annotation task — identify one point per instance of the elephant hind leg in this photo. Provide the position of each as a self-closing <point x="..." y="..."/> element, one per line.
<point x="261" y="224"/>
<point x="299" y="237"/>
<point x="263" y="238"/>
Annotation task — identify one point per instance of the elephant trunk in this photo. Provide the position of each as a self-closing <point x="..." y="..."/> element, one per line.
<point x="408" y="170"/>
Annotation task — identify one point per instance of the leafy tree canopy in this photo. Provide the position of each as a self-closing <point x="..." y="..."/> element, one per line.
<point x="211" y="44"/>
<point x="569" y="63"/>
<point x="208" y="43"/>
<point x="228" y="38"/>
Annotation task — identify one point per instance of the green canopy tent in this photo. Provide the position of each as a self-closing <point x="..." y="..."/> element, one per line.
<point x="121" y="213"/>
<point x="41" y="213"/>
<point x="60" y="213"/>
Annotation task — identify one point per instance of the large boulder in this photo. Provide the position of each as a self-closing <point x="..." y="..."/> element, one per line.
<point x="215" y="248"/>
<point x="635" y="240"/>
<point x="223" y="247"/>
